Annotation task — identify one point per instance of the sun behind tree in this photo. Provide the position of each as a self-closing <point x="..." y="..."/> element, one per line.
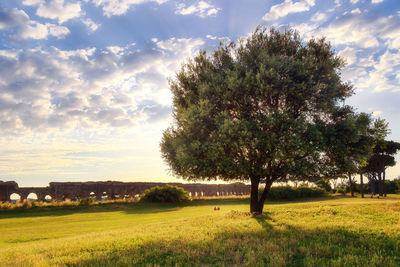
<point x="256" y="111"/>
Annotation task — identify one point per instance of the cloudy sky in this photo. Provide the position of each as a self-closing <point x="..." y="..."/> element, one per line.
<point x="83" y="84"/>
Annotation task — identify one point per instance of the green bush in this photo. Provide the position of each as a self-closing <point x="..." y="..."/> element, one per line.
<point x="168" y="193"/>
<point x="288" y="192"/>
<point x="341" y="190"/>
<point x="85" y="201"/>
<point x="304" y="191"/>
<point x="282" y="192"/>
<point x="26" y="204"/>
<point x="324" y="184"/>
<point x="392" y="186"/>
<point x="6" y="206"/>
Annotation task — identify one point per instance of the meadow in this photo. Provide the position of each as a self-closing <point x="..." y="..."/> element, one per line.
<point x="330" y="231"/>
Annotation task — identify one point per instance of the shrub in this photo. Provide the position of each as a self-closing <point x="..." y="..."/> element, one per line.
<point x="85" y="201"/>
<point x="392" y="187"/>
<point x="26" y="204"/>
<point x="287" y="192"/>
<point x="304" y="191"/>
<point x="168" y="193"/>
<point x="37" y="204"/>
<point x="324" y="184"/>
<point x="282" y="192"/>
<point x="398" y="185"/>
<point x="341" y="190"/>
<point x="6" y="206"/>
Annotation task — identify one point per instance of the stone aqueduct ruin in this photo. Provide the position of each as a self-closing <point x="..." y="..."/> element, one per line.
<point x="112" y="189"/>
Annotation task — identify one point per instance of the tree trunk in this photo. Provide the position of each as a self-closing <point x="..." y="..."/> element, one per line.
<point x="384" y="183"/>
<point x="351" y="185"/>
<point x="361" y="185"/>
<point x="257" y="204"/>
<point x="372" y="186"/>
<point x="264" y="196"/>
<point x="254" y="195"/>
<point x="380" y="187"/>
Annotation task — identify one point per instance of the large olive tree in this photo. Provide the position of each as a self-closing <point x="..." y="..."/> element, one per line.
<point x="256" y="111"/>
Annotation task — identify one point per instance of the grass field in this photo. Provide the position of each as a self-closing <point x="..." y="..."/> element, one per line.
<point x="336" y="231"/>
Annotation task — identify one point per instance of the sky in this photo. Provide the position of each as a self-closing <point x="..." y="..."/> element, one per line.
<point x="83" y="84"/>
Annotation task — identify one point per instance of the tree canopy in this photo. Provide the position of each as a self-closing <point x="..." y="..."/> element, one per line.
<point x="262" y="110"/>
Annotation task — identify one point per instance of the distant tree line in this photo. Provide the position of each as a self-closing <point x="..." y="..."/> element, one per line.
<point x="390" y="187"/>
<point x="368" y="157"/>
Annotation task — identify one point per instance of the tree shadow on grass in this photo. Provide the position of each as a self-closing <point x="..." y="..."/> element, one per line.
<point x="264" y="220"/>
<point x="131" y="208"/>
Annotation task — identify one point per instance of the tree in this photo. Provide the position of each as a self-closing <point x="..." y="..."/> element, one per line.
<point x="349" y="144"/>
<point x="256" y="111"/>
<point x="382" y="157"/>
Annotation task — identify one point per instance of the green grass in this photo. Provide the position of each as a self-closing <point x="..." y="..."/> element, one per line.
<point x="337" y="231"/>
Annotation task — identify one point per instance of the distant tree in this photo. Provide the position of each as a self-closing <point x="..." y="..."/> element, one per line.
<point x="382" y="158"/>
<point x="257" y="111"/>
<point x="349" y="144"/>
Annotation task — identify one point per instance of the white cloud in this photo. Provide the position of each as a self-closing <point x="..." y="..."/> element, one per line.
<point x="359" y="30"/>
<point x="56" y="9"/>
<point x="362" y="36"/>
<point x="12" y="18"/>
<point x="90" y="24"/>
<point x="366" y="62"/>
<point x="57" y="31"/>
<point x="380" y="77"/>
<point x="306" y="30"/>
<point x="115" y="49"/>
<point x="287" y="7"/>
<point x="353" y="73"/>
<point x="376" y="113"/>
<point x="46" y="90"/>
<point x="9" y="53"/>
<point x="394" y="43"/>
<point x="29" y="29"/>
<point x="389" y="27"/>
<point x="81" y="53"/>
<point x="354" y="1"/>
<point x="201" y="9"/>
<point x="35" y="30"/>
<point x="376" y="1"/>
<point x="356" y="11"/>
<point x="349" y="54"/>
<point x="120" y="7"/>
<point x="32" y="2"/>
<point x="319" y="17"/>
<point x="185" y="45"/>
